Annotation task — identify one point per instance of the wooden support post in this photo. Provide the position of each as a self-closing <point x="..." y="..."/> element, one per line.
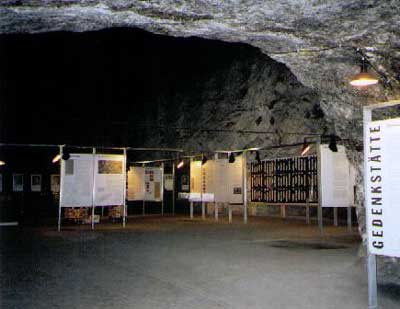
<point x="203" y="210"/>
<point x="335" y="216"/>
<point x="230" y="213"/>
<point x="191" y="210"/>
<point x="216" y="211"/>
<point x="283" y="211"/>
<point x="349" y="227"/>
<point x="308" y="212"/>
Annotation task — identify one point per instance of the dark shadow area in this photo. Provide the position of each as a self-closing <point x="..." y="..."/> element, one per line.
<point x="94" y="87"/>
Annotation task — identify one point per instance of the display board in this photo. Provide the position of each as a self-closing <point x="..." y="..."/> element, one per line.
<point x="135" y="183"/>
<point x="18" y="182"/>
<point x="337" y="178"/>
<point x="145" y="183"/>
<point x="77" y="181"/>
<point x="153" y="184"/>
<point x="382" y="152"/>
<point x="55" y="183"/>
<point x="195" y="177"/>
<point x="109" y="180"/>
<point x="36" y="183"/>
<point x="168" y="182"/>
<point x="217" y="180"/>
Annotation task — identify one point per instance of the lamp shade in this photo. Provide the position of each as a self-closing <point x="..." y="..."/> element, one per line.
<point x="363" y="79"/>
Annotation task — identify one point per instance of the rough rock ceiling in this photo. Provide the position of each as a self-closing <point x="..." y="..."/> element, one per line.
<point x="314" y="38"/>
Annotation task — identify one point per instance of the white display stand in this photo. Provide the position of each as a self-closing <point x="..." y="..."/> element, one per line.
<point x="90" y="180"/>
<point x="146" y="184"/>
<point x="77" y="181"/>
<point x="135" y="184"/>
<point x="337" y="178"/>
<point x="109" y="180"/>
<point x="153" y="184"/>
<point x="218" y="181"/>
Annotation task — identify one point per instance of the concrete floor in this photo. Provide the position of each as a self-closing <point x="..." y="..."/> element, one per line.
<point x="178" y="263"/>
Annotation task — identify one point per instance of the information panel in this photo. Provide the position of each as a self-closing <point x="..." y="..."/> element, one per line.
<point x="135" y="183"/>
<point x="217" y="180"/>
<point x="109" y="180"/>
<point x="145" y="183"/>
<point x="153" y="184"/>
<point x="337" y="178"/>
<point x="77" y="181"/>
<point x="382" y="142"/>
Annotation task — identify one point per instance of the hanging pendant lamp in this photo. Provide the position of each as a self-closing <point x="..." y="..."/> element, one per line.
<point x="364" y="78"/>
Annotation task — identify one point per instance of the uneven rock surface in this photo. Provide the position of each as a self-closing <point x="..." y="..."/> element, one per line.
<point x="315" y="39"/>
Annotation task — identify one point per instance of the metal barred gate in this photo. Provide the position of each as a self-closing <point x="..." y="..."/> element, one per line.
<point x="285" y="180"/>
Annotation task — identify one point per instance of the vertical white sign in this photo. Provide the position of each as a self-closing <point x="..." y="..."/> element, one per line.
<point x="337" y="179"/>
<point x="153" y="190"/>
<point x="135" y="183"/>
<point x="195" y="177"/>
<point x="383" y="186"/>
<point x="77" y="184"/>
<point x="110" y="180"/>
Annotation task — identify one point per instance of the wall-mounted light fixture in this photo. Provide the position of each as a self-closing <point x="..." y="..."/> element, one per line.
<point x="56" y="158"/>
<point x="204" y="160"/>
<point x="180" y="164"/>
<point x="258" y="159"/>
<point x="2" y="163"/>
<point x="332" y="143"/>
<point x="231" y="157"/>
<point x="305" y="148"/>
<point x="66" y="155"/>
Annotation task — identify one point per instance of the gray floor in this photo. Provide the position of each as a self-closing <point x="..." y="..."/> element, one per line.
<point x="176" y="263"/>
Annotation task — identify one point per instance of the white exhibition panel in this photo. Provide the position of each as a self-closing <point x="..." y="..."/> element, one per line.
<point x="337" y="178"/>
<point x="153" y="184"/>
<point x="145" y="183"/>
<point x="217" y="180"/>
<point x="195" y="177"/>
<point x="382" y="142"/>
<point x="135" y="183"/>
<point x="109" y="180"/>
<point x="77" y="181"/>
